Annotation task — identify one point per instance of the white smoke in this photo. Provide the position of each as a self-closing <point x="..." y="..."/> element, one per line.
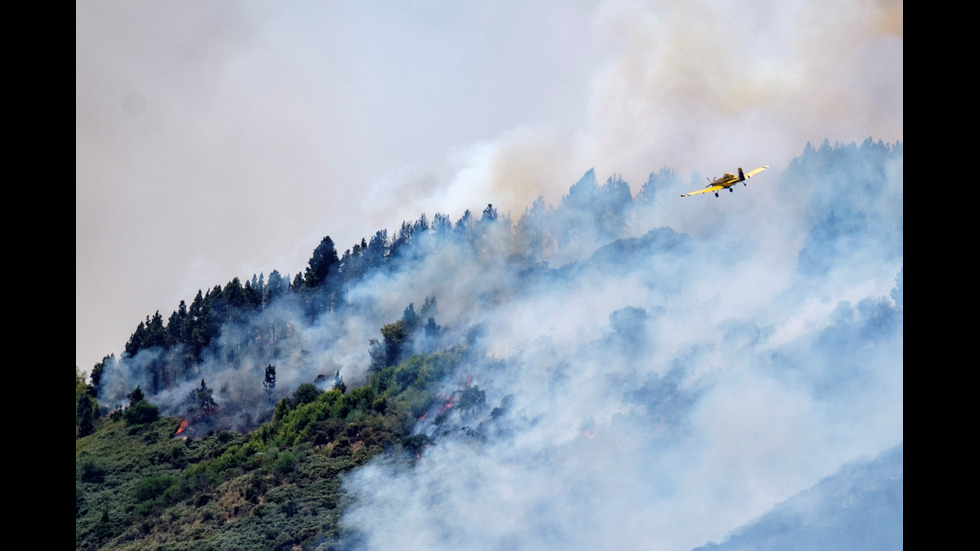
<point x="227" y="139"/>
<point x="664" y="391"/>
<point x="642" y="386"/>
<point x="678" y="384"/>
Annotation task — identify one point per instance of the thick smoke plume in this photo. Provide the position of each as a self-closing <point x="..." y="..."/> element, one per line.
<point x="634" y="386"/>
<point x="659" y="390"/>
<point x="650" y="371"/>
<point x="226" y="138"/>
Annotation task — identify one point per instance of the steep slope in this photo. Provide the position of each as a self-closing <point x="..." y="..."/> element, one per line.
<point x="859" y="507"/>
<point x="610" y="372"/>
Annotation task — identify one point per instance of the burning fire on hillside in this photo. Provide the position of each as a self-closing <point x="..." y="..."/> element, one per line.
<point x="183" y="426"/>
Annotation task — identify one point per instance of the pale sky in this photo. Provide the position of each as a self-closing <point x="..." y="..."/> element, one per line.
<point x="222" y="139"/>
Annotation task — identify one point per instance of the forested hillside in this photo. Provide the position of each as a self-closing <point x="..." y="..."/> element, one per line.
<point x="617" y="370"/>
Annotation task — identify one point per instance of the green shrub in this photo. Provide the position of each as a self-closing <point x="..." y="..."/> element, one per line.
<point x="306" y="393"/>
<point x="91" y="472"/>
<point x="141" y="413"/>
<point x="285" y="463"/>
<point x="151" y="488"/>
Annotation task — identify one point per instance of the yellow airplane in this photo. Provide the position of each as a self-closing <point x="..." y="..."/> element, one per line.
<point x="727" y="181"/>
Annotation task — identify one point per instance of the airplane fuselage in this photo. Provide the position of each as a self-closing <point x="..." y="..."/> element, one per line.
<point x="728" y="179"/>
<point x="726" y="182"/>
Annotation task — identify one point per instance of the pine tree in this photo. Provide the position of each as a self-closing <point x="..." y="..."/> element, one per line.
<point x="322" y="264"/>
<point x="135" y="396"/>
<point x="269" y="384"/>
<point x="205" y="399"/>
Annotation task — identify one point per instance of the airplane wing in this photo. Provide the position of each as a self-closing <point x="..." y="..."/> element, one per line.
<point x="752" y="173"/>
<point x="708" y="189"/>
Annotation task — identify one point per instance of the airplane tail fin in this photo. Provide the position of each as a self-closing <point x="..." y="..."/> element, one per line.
<point x="741" y="175"/>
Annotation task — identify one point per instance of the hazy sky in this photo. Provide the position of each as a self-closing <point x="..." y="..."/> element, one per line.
<point x="222" y="139"/>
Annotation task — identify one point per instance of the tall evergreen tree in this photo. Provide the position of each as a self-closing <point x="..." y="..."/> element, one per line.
<point x="388" y="350"/>
<point x="410" y="318"/>
<point x="204" y="397"/>
<point x="269" y="384"/>
<point x="96" y="385"/>
<point x="156" y="335"/>
<point x="442" y="225"/>
<point x="377" y="250"/>
<point x="276" y="286"/>
<point x="176" y="325"/>
<point x="297" y="283"/>
<point x="234" y="295"/>
<point x="135" y="396"/>
<point x="489" y="214"/>
<point x="135" y="342"/>
<point x="322" y="264"/>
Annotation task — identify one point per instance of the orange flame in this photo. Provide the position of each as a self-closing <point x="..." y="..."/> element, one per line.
<point x="450" y="402"/>
<point x="183" y="425"/>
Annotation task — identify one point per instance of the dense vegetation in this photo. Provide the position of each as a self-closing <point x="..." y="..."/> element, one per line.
<point x="143" y="483"/>
<point x="139" y="487"/>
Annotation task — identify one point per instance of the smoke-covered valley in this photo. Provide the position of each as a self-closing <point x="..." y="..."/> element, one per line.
<point x="642" y="370"/>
